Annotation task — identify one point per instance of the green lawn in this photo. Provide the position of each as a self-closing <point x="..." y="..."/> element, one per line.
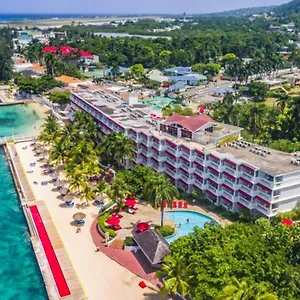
<point x="270" y="102"/>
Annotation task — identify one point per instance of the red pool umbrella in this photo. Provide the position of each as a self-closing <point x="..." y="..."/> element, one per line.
<point x="130" y="202"/>
<point x="287" y="223"/>
<point x="113" y="221"/>
<point x="143" y="226"/>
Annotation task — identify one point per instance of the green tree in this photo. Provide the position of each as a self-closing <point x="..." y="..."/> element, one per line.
<point x="50" y="61"/>
<point x="137" y="70"/>
<point x="60" y="97"/>
<point x="51" y="131"/>
<point x="176" y="275"/>
<point x="116" y="149"/>
<point x="117" y="191"/>
<point x="158" y="189"/>
<point x="258" y="91"/>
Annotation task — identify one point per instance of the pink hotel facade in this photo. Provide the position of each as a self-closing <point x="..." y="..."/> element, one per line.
<point x="237" y="176"/>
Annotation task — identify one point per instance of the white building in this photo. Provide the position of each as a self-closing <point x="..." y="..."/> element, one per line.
<point x="236" y="176"/>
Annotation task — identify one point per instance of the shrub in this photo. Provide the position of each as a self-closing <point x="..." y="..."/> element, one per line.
<point x="165" y="230"/>
<point x="101" y="223"/>
<point x="129" y="241"/>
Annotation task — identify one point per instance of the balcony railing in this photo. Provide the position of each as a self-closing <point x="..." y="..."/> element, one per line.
<point x="247" y="203"/>
<point x="267" y="182"/>
<point x="214" y="164"/>
<point x="247" y="189"/>
<point x="228" y="195"/>
<point x="263" y="209"/>
<point x="264" y="195"/>
<point x="248" y="176"/>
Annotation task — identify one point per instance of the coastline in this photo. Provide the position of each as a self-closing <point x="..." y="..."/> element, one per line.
<point x="96" y="272"/>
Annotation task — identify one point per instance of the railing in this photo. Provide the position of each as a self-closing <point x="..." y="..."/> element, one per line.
<point x="16" y="138"/>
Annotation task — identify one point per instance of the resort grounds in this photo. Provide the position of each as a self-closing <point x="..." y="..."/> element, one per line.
<point x="100" y="276"/>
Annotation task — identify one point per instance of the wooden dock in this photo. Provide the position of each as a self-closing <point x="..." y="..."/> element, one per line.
<point x="27" y="199"/>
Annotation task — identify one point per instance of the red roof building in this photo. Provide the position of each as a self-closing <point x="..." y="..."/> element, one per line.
<point x="193" y="123"/>
<point x="66" y="50"/>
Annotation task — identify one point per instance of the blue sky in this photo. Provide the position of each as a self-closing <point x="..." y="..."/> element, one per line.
<point x="129" y="6"/>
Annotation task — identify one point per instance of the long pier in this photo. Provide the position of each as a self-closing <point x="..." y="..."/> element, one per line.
<point x="28" y="199"/>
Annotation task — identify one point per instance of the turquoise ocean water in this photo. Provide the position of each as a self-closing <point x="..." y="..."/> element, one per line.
<point x="18" y="119"/>
<point x="20" y="277"/>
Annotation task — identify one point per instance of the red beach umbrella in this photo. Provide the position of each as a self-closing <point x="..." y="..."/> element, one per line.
<point x="287" y="223"/>
<point x="143" y="226"/>
<point x="130" y="202"/>
<point x="113" y="221"/>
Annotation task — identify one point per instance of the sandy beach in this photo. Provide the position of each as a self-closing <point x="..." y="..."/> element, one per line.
<point x="101" y="277"/>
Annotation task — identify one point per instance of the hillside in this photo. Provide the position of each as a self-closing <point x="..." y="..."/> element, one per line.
<point x="288" y="8"/>
<point x="243" y="11"/>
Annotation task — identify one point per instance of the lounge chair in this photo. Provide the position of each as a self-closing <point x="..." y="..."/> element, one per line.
<point x="35" y="182"/>
<point x="185" y="204"/>
<point x="131" y="211"/>
<point x="29" y="171"/>
<point x="44" y="182"/>
<point x="80" y="222"/>
<point x="118" y="227"/>
<point x="32" y="164"/>
<point x="174" y="204"/>
<point x="180" y="204"/>
<point x="70" y="204"/>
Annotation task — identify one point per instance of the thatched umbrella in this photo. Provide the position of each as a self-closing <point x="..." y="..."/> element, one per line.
<point x="79" y="216"/>
<point x="68" y="198"/>
<point x="64" y="191"/>
<point x="59" y="183"/>
<point x="53" y="175"/>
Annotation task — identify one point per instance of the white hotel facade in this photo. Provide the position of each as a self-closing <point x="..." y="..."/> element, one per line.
<point x="237" y="176"/>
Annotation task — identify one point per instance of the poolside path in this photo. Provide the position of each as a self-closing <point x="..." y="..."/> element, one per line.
<point x="134" y="262"/>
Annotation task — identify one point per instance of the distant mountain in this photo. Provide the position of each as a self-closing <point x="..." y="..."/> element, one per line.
<point x="243" y="11"/>
<point x="289" y="8"/>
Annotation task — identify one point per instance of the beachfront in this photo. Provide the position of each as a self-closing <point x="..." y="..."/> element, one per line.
<point x="100" y="276"/>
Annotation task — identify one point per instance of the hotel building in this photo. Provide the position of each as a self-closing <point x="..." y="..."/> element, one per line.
<point x="237" y="175"/>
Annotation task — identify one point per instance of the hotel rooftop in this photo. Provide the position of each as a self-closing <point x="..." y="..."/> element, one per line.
<point x="203" y="133"/>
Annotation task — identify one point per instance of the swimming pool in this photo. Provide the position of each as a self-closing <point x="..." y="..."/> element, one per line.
<point x="184" y="227"/>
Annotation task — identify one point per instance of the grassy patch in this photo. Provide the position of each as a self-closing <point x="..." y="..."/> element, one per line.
<point x="165" y="230"/>
<point x="101" y="223"/>
<point x="271" y="102"/>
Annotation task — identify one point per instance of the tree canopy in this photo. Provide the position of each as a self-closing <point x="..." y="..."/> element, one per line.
<point x="257" y="252"/>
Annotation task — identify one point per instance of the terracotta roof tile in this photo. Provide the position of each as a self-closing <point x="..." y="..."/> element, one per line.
<point x="192" y="123"/>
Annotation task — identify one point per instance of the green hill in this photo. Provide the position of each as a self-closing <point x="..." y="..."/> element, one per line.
<point x="289" y="8"/>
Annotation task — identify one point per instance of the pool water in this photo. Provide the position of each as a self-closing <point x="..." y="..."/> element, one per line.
<point x="19" y="271"/>
<point x="184" y="227"/>
<point x="19" y="119"/>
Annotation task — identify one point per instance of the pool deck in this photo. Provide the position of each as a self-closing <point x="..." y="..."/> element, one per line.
<point x="27" y="199"/>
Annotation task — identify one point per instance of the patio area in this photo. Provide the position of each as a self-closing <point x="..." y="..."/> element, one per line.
<point x="144" y="213"/>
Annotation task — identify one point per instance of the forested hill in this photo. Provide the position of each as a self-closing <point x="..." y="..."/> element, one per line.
<point x="289" y="8"/>
<point x="242" y="12"/>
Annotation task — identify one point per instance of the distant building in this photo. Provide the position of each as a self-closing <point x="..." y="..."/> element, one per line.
<point x="109" y="71"/>
<point x="178" y="71"/>
<point x="289" y="28"/>
<point x="67" y="50"/>
<point x="191" y="79"/>
<point x="179" y="86"/>
<point x="220" y="92"/>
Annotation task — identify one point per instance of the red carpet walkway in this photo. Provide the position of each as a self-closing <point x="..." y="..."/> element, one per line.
<point x="134" y="262"/>
<point x="57" y="273"/>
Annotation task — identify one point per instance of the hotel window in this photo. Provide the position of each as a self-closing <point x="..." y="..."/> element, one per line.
<point x="278" y="179"/>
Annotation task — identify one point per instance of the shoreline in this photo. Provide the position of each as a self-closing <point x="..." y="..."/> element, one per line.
<point x="95" y="271"/>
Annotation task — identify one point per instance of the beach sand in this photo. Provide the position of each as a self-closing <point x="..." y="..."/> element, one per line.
<point x="101" y="277"/>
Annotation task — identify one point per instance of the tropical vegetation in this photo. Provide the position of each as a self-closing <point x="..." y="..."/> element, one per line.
<point x="240" y="261"/>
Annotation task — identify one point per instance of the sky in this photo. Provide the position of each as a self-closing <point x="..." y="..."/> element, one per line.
<point x="129" y="6"/>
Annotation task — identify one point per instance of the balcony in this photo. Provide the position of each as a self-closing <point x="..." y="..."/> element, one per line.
<point x="200" y="160"/>
<point x="267" y="183"/>
<point x="231" y="184"/>
<point x="217" y="179"/>
<point x="248" y="204"/>
<point x="267" y="197"/>
<point x="214" y="164"/>
<point x="215" y="190"/>
<point x="231" y="171"/>
<point x="186" y="178"/>
<point x="174" y="163"/>
<point x="248" y="190"/>
<point x="173" y="173"/>
<point x="248" y="176"/>
<point x="158" y="146"/>
<point x="228" y="195"/>
<point x="263" y="209"/>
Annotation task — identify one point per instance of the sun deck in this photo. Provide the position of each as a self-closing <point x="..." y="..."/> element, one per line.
<point x="275" y="163"/>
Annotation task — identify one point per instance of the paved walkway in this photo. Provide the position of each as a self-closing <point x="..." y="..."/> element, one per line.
<point x="134" y="262"/>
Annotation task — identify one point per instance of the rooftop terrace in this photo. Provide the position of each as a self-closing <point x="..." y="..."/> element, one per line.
<point x="275" y="163"/>
<point x="139" y="117"/>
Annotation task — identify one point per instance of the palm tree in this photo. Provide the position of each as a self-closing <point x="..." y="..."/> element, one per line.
<point x="117" y="191"/>
<point x="242" y="291"/>
<point x="76" y="181"/>
<point x="51" y="131"/>
<point x="87" y="193"/>
<point x="116" y="149"/>
<point x="101" y="188"/>
<point x="158" y="190"/>
<point x="50" y="61"/>
<point x="176" y="276"/>
<point x="282" y="101"/>
<point x="256" y="118"/>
